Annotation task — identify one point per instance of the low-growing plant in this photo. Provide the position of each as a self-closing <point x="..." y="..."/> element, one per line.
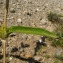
<point x="55" y="18"/>
<point x="47" y="56"/>
<point x="59" y="41"/>
<point x="56" y="61"/>
<point x="60" y="57"/>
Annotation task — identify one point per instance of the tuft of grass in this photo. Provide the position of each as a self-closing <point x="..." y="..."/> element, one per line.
<point x="60" y="57"/>
<point x="39" y="49"/>
<point x="47" y="56"/>
<point x="59" y="40"/>
<point x="56" y="61"/>
<point x="53" y="17"/>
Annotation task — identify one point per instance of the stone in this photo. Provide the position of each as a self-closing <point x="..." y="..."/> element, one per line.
<point x="13" y="34"/>
<point x="10" y="58"/>
<point x="19" y="20"/>
<point x="12" y="10"/>
<point x="38" y="58"/>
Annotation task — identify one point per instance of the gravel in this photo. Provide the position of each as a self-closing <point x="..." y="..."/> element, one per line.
<point x="31" y="13"/>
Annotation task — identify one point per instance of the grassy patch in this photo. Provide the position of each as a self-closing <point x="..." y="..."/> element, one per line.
<point x="55" y="18"/>
<point x="60" y="57"/>
<point x="47" y="56"/>
<point x="56" y="61"/>
<point x="58" y="41"/>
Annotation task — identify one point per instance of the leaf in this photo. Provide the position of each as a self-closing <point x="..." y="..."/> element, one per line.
<point x="31" y="30"/>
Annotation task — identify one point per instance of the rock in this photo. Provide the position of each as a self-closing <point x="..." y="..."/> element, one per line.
<point x="29" y="52"/>
<point x="38" y="58"/>
<point x="12" y="10"/>
<point x="13" y="34"/>
<point x="19" y="20"/>
<point x="10" y="58"/>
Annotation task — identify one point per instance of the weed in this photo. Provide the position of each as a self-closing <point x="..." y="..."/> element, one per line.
<point x="56" y="61"/>
<point x="59" y="40"/>
<point x="55" y="18"/>
<point x="60" y="57"/>
<point x="47" y="56"/>
<point x="39" y="48"/>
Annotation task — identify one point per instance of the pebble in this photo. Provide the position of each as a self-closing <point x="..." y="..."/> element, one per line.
<point x="29" y="52"/>
<point x="38" y="58"/>
<point x="40" y="40"/>
<point x="19" y="20"/>
<point x="12" y="10"/>
<point x="10" y="58"/>
<point x="13" y="34"/>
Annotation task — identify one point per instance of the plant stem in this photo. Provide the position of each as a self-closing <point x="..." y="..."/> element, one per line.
<point x="4" y="26"/>
<point x="4" y="51"/>
<point x="5" y="15"/>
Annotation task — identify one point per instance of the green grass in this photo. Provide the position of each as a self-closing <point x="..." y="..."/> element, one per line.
<point x="47" y="56"/>
<point x="56" y="61"/>
<point x="53" y="17"/>
<point x="60" y="57"/>
<point x="59" y="41"/>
